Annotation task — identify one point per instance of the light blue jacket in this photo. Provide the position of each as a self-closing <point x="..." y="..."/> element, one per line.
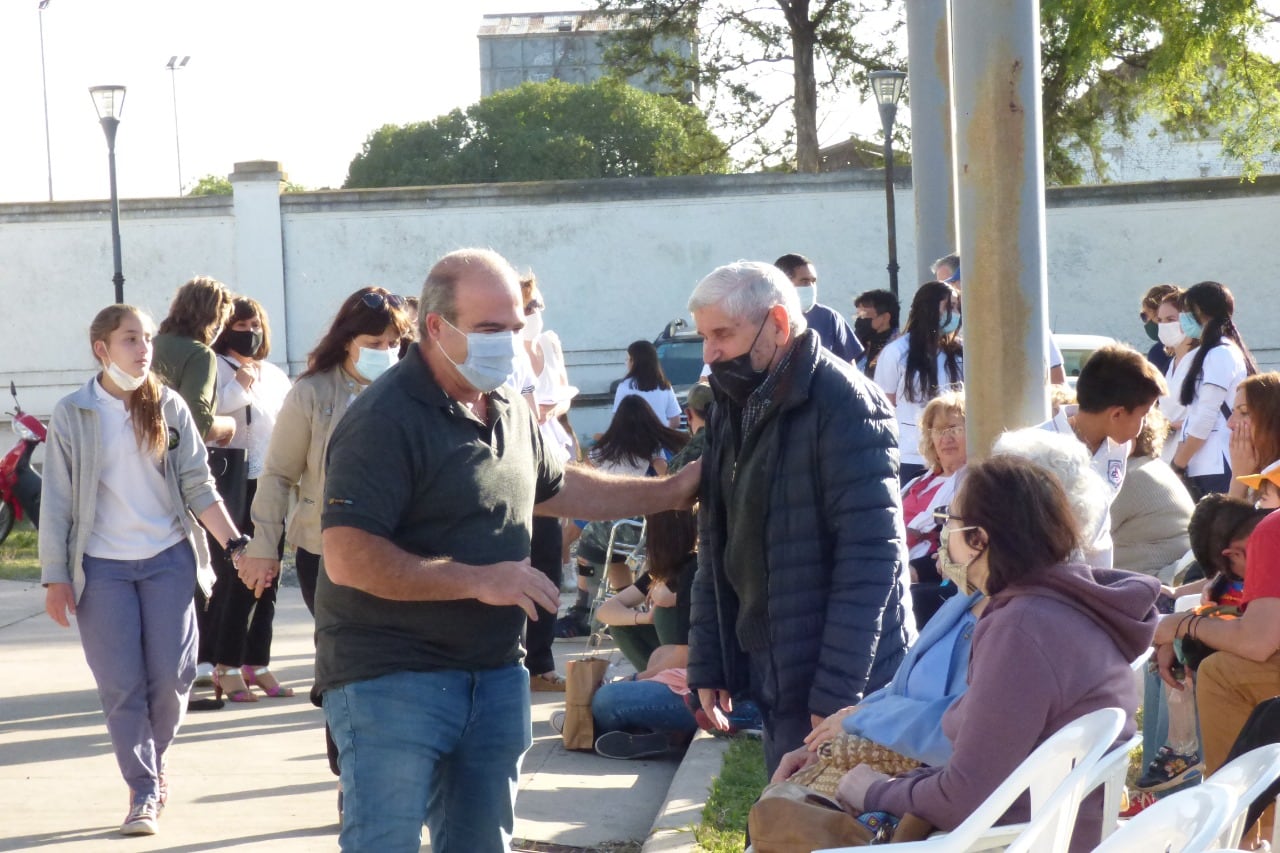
<point x="69" y="493"/>
<point x="911" y="724"/>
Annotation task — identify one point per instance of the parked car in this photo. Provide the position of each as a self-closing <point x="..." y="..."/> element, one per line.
<point x="1076" y="350"/>
<point x="680" y="354"/>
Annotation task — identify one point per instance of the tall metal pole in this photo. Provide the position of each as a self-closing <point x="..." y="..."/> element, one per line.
<point x="109" y="125"/>
<point x="174" y="65"/>
<point x="887" y="113"/>
<point x="932" y="182"/>
<point x="999" y="173"/>
<point x="44" y="85"/>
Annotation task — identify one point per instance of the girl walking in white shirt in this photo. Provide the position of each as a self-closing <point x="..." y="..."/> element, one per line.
<point x="124" y="474"/>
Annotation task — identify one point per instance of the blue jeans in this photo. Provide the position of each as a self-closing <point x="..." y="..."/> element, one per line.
<point x="137" y="622"/>
<point x="441" y="747"/>
<point x="640" y="706"/>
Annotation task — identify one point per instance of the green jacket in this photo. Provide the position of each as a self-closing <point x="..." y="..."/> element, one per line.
<point x="190" y="368"/>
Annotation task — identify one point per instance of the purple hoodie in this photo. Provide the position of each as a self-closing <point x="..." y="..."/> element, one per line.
<point x="1044" y="654"/>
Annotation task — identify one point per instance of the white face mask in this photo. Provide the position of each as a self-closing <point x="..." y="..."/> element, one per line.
<point x="490" y="360"/>
<point x="532" y="326"/>
<point x="123" y="380"/>
<point x="809" y="297"/>
<point x="1171" y="334"/>
<point x="372" y="363"/>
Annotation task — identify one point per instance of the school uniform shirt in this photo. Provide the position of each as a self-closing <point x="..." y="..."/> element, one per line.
<point x="662" y="400"/>
<point x="891" y="375"/>
<point x="1171" y="404"/>
<point x="1223" y="366"/>
<point x="1109" y="461"/>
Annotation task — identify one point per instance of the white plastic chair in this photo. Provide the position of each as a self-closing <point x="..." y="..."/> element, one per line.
<point x="1190" y="821"/>
<point x="1109" y="774"/>
<point x="1056" y="774"/>
<point x="1246" y="777"/>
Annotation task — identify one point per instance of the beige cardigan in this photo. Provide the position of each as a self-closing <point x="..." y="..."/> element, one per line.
<point x="295" y="459"/>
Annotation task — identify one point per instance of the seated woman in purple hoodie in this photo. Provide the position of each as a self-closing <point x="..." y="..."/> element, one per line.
<point x="1054" y="644"/>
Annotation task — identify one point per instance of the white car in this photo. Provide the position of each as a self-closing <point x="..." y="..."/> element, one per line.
<point x="1076" y="350"/>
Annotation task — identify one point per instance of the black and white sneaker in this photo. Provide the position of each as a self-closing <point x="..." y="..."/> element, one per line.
<point x="557" y="721"/>
<point x="624" y="745"/>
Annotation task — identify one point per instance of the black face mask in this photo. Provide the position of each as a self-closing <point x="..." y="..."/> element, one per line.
<point x="1153" y="330"/>
<point x="735" y="377"/>
<point x="862" y="329"/>
<point x="245" y="342"/>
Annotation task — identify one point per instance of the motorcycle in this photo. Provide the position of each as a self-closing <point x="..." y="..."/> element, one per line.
<point x="19" y="483"/>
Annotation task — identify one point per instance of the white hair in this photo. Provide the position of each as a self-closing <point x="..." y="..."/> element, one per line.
<point x="746" y="290"/>
<point x="1067" y="458"/>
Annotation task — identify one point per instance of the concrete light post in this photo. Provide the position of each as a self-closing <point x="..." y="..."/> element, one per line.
<point x="44" y="88"/>
<point x="887" y="87"/>
<point x="109" y="101"/>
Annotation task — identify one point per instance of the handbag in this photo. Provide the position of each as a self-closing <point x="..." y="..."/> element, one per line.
<point x="844" y="752"/>
<point x="789" y="818"/>
<point x="230" y="469"/>
<point x="582" y="680"/>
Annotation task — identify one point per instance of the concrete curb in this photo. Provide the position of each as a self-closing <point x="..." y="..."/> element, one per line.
<point x="681" y="811"/>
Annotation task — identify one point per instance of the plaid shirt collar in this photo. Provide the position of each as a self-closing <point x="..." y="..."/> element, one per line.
<point x="761" y="398"/>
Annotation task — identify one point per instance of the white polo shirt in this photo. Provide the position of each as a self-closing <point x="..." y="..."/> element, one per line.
<point x="1110" y="462"/>
<point x="135" y="517"/>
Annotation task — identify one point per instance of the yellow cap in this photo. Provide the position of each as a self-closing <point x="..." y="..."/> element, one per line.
<point x="1271" y="474"/>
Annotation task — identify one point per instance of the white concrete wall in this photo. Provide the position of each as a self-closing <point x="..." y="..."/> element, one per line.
<point x="1151" y="153"/>
<point x="616" y="259"/>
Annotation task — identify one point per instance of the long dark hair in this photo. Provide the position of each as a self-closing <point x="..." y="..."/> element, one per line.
<point x="636" y="435"/>
<point x="925" y="340"/>
<point x="670" y="538"/>
<point x="1214" y="303"/>
<point x="646" y="370"/>
<point x="355" y="318"/>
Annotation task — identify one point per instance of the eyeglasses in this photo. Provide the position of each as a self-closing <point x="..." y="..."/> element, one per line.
<point x="378" y="301"/>
<point x="533" y="305"/>
<point x="948" y="432"/>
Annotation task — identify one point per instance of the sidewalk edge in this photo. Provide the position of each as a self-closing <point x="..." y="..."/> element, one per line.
<point x="681" y="811"/>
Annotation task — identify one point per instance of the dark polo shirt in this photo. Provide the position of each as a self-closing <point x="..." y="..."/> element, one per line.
<point x="409" y="464"/>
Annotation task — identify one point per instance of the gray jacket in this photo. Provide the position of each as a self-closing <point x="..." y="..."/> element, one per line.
<point x="68" y="498"/>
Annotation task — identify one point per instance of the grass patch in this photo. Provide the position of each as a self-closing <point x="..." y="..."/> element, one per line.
<point x="724" y="819"/>
<point x="18" y="559"/>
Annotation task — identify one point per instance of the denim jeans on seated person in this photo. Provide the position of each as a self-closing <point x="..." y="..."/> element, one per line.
<point x="445" y="746"/>
<point x="640" y="706"/>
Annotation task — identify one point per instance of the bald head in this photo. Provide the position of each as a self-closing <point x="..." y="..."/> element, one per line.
<point x="464" y="266"/>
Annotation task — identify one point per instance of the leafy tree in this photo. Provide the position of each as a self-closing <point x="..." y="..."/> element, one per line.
<point x="1195" y="62"/>
<point x="544" y="131"/>
<point x="824" y="42"/>
<point x="219" y="185"/>
<point x="210" y="185"/>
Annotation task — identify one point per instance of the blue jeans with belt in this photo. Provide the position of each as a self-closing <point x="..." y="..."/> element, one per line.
<point x="440" y="747"/>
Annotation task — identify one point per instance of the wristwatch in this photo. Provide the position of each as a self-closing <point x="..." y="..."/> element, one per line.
<point x="236" y="545"/>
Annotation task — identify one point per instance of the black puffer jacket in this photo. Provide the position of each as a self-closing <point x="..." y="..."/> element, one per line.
<point x="838" y="609"/>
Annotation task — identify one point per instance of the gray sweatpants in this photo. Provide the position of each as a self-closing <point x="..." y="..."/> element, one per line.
<point x="137" y="625"/>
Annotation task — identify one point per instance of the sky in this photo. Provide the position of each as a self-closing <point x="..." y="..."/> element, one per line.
<point x="298" y="81"/>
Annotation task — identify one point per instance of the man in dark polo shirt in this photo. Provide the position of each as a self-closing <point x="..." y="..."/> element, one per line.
<point x="432" y="478"/>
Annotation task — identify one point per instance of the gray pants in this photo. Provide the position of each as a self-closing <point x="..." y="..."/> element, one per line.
<point x="137" y="625"/>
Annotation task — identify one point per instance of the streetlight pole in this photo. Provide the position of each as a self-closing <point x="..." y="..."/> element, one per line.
<point x="174" y="66"/>
<point x="887" y="87"/>
<point x="109" y="101"/>
<point x="44" y="86"/>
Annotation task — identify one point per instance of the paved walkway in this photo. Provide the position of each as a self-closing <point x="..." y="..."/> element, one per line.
<point x="247" y="777"/>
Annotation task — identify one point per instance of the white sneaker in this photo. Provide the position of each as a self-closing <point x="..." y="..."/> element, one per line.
<point x="141" y="819"/>
<point x="557" y="721"/>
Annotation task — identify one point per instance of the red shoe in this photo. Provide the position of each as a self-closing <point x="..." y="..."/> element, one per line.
<point x="1138" y="800"/>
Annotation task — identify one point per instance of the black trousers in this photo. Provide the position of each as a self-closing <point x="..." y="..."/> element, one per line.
<point x="545" y="556"/>
<point x="1262" y="728"/>
<point x="241" y="624"/>
<point x="308" y="567"/>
